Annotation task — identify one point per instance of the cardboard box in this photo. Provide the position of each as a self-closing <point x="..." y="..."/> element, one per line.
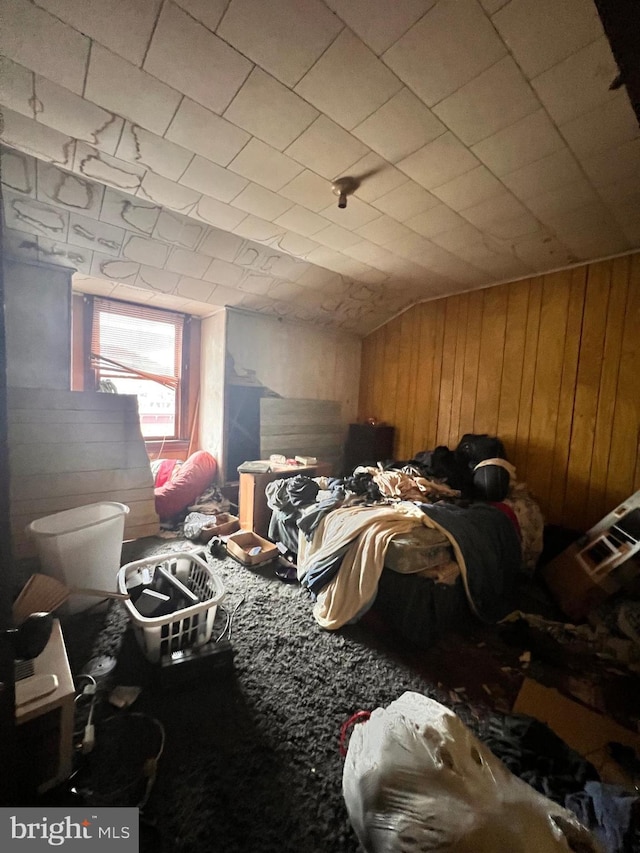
<point x="240" y="544"/>
<point x="222" y="524"/>
<point x="573" y="587"/>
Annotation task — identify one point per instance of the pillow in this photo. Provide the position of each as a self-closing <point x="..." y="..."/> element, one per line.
<point x="163" y="470"/>
<point x="189" y="480"/>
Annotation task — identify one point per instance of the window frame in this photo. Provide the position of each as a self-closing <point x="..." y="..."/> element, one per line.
<point x="180" y="441"/>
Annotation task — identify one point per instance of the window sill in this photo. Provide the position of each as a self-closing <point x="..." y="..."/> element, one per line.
<point x="169" y="446"/>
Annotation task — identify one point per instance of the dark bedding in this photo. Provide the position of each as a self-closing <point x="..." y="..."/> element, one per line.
<point x="491" y="552"/>
<point x="464" y="563"/>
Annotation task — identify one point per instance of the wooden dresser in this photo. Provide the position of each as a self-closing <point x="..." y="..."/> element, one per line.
<point x="254" y="512"/>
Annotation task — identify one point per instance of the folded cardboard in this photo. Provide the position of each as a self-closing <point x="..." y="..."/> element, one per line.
<point x="244" y="546"/>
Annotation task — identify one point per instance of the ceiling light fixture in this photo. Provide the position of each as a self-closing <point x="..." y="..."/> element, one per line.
<point x="344" y="187"/>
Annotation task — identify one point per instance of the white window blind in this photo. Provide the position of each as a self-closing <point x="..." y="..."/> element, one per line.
<point x="135" y="341"/>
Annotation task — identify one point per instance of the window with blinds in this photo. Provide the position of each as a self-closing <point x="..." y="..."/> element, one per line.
<point x="139" y="350"/>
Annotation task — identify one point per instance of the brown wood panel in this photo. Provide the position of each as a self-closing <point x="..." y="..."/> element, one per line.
<point x="549" y="364"/>
<point x="458" y="371"/>
<point x="547" y="382"/>
<point x="577" y="279"/>
<point x="438" y="344"/>
<point x="422" y="401"/>
<point x="447" y="370"/>
<point x="377" y="390"/>
<point x="490" y="360"/>
<point x="471" y="355"/>
<point x="366" y="378"/>
<point x="623" y="458"/>
<point x="392" y="337"/>
<point x="586" y="394"/>
<point x="402" y="359"/>
<point x="406" y="417"/>
<point x="528" y="376"/>
<point x="511" y="380"/>
<point x="596" y="499"/>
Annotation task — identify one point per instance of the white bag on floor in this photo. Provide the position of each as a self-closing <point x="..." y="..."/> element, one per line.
<point x="417" y="780"/>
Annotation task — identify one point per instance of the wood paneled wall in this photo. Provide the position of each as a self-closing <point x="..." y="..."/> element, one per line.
<point x="549" y="364"/>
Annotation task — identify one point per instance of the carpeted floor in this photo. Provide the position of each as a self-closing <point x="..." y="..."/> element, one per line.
<point x="251" y="757"/>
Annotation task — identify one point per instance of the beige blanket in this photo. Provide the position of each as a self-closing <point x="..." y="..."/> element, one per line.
<point x="369" y="530"/>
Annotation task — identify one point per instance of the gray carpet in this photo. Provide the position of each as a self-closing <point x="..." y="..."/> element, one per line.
<point x="251" y="760"/>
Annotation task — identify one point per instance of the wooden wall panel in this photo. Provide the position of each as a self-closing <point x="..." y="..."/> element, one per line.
<point x="586" y="392"/>
<point x="302" y="428"/>
<point x="458" y="371"/>
<point x="549" y="364"/>
<point x="547" y="381"/>
<point x="530" y="347"/>
<point x="577" y="281"/>
<point x="490" y="359"/>
<point x="471" y="357"/>
<point x="403" y="360"/>
<point x="406" y="442"/>
<point x="608" y="382"/>
<point x="72" y="448"/>
<point x="419" y="409"/>
<point x="517" y="308"/>
<point x="624" y="457"/>
<point x="447" y="371"/>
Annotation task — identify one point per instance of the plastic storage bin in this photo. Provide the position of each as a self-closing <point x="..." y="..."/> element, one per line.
<point x="81" y="547"/>
<point x="191" y="626"/>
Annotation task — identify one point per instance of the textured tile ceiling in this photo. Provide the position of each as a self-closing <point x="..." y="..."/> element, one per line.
<point x="183" y="153"/>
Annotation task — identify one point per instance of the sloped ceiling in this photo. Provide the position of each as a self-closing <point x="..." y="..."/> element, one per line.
<point x="485" y="137"/>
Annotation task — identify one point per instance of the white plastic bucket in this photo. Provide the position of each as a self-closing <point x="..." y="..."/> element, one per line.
<point x="81" y="547"/>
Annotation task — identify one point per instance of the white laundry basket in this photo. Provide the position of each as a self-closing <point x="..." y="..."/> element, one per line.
<point x="81" y="547"/>
<point x="188" y="627"/>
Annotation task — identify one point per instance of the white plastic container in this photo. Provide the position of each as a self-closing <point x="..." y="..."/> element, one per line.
<point x="185" y="628"/>
<point x="81" y="547"/>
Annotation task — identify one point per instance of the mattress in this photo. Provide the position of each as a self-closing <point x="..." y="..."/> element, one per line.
<point x="422" y="550"/>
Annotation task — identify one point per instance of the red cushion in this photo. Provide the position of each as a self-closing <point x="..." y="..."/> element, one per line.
<point x="164" y="472"/>
<point x="189" y="481"/>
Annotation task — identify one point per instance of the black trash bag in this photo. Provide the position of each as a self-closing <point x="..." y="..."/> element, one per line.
<point x="473" y="448"/>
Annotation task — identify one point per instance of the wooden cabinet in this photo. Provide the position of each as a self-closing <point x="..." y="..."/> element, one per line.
<point x="253" y="509"/>
<point x="366" y="445"/>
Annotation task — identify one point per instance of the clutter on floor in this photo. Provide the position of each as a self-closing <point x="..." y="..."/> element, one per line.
<point x="586" y="731"/>
<point x="201" y="527"/>
<point x="253" y="722"/>
<point x="172" y="602"/>
<point x="599" y="564"/>
<point x="415" y="777"/>
<point x="556" y="702"/>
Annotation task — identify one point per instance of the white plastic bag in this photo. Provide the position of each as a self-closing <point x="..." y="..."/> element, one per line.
<point x="417" y="780"/>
